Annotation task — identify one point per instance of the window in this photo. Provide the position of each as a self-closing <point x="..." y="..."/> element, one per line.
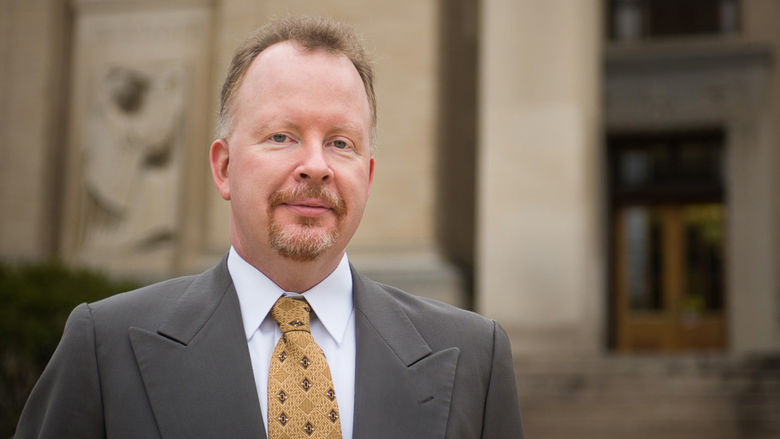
<point x="647" y="19"/>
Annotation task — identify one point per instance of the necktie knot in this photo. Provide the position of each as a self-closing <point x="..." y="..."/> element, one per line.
<point x="291" y="314"/>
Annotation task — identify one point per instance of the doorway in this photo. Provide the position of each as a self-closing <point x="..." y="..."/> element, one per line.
<point x="668" y="219"/>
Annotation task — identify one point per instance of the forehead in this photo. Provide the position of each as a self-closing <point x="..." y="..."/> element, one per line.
<point x="288" y="73"/>
<point x="289" y="53"/>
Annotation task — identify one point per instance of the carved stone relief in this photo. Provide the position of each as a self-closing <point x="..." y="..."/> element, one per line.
<point x="139" y="114"/>
<point x="131" y="160"/>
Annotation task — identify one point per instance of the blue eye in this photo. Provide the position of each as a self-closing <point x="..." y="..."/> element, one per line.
<point x="340" y="144"/>
<point x="279" y="138"/>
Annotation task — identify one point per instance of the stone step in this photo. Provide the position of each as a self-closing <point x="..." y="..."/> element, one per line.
<point x="713" y="397"/>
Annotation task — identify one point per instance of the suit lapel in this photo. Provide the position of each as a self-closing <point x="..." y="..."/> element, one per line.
<point x="402" y="387"/>
<point x="196" y="367"/>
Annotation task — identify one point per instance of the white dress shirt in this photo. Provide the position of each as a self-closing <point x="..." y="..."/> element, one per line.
<point x="332" y="326"/>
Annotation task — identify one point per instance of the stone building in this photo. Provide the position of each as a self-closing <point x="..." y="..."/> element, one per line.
<point x="599" y="176"/>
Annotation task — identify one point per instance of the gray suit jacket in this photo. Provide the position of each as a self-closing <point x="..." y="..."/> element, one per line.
<point x="171" y="361"/>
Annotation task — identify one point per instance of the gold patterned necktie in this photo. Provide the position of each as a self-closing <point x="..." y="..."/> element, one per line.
<point x="301" y="398"/>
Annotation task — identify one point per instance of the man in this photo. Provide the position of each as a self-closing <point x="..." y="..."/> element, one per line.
<point x="204" y="356"/>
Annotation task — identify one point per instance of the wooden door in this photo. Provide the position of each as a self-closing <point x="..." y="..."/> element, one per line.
<point x="669" y="277"/>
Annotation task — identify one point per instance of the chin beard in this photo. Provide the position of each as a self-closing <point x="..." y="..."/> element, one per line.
<point x="304" y="243"/>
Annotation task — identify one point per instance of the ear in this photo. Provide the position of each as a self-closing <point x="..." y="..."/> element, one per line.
<point x="219" y="157"/>
<point x="370" y="173"/>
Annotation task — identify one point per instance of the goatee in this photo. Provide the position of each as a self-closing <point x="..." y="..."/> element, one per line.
<point x="306" y="240"/>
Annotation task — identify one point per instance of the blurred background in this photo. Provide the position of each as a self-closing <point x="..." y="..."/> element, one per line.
<point x="599" y="176"/>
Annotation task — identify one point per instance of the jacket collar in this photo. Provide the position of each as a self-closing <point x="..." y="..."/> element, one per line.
<point x="402" y="387"/>
<point x="196" y="367"/>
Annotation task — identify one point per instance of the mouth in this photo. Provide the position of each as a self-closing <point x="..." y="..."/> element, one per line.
<point x="308" y="207"/>
<point x="309" y="201"/>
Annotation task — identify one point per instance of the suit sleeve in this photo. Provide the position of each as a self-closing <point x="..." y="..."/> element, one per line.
<point x="502" y="409"/>
<point x="66" y="402"/>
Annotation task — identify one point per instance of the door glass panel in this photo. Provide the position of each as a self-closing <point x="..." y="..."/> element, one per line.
<point x="704" y="257"/>
<point x="643" y="241"/>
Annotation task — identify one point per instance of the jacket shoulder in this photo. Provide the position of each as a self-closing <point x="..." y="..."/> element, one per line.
<point x="148" y="300"/>
<point x="147" y="307"/>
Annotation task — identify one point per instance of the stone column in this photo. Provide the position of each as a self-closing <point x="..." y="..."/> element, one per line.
<point x="756" y="307"/>
<point x="33" y="49"/>
<point x="540" y="257"/>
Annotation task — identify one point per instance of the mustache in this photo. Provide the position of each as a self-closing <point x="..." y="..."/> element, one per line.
<point x="309" y="191"/>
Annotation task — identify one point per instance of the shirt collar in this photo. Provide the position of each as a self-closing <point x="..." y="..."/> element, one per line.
<point x="331" y="299"/>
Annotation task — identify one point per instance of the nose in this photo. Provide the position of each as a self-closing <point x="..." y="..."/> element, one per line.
<point x="313" y="166"/>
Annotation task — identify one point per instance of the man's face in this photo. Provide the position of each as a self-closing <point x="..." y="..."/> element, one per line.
<point x="297" y="164"/>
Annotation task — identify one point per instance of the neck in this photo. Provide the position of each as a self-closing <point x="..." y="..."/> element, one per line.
<point x="290" y="275"/>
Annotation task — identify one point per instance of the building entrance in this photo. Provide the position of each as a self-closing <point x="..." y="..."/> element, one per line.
<point x="668" y="222"/>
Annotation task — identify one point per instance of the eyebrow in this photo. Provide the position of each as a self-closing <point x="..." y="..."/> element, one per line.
<point x="348" y="127"/>
<point x="272" y="125"/>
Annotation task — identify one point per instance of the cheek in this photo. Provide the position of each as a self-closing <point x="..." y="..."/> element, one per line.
<point x="359" y="191"/>
<point x="250" y="194"/>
